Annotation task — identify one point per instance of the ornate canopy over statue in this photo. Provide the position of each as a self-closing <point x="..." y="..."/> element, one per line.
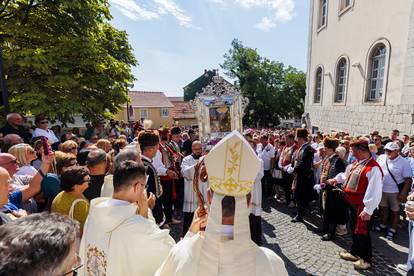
<point x="219" y="109"/>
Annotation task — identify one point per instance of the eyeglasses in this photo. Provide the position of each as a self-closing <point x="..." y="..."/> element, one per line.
<point x="74" y="270"/>
<point x="13" y="161"/>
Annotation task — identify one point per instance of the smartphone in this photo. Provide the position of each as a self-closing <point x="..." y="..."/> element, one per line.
<point x="46" y="147"/>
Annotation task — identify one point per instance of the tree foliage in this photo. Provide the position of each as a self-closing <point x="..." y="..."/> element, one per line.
<point x="196" y="86"/>
<point x="63" y="58"/>
<point x="274" y="91"/>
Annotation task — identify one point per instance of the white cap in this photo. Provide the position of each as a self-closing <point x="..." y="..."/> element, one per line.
<point x="392" y="146"/>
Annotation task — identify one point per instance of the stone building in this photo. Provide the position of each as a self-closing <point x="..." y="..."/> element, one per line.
<point x="361" y="65"/>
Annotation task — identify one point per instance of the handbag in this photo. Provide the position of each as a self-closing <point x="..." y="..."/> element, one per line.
<point x="401" y="185"/>
<point x="72" y="207"/>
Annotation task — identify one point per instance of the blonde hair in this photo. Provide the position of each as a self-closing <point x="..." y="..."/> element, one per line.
<point x="65" y="147"/>
<point x="63" y="160"/>
<point x="20" y="152"/>
<point x="341" y="152"/>
<point x="103" y="144"/>
<point x="373" y="148"/>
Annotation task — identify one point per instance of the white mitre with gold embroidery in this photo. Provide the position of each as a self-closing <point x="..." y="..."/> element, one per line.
<point x="232" y="166"/>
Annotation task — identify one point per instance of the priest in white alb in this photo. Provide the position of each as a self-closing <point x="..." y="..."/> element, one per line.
<point x="188" y="168"/>
<point x="120" y="236"/>
<point x="225" y="248"/>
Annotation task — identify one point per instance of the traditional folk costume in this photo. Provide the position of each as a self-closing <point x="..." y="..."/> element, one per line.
<point x="164" y="161"/>
<point x="285" y="160"/>
<point x="363" y="190"/>
<point x="117" y="241"/>
<point x="190" y="198"/>
<point x="303" y="182"/>
<point x="179" y="183"/>
<point x="232" y="166"/>
<point x="334" y="205"/>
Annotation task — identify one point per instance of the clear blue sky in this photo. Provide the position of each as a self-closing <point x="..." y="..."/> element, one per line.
<point x="175" y="40"/>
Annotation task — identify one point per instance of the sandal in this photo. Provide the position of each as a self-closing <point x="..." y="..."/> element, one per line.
<point x="390" y="234"/>
<point x="381" y="228"/>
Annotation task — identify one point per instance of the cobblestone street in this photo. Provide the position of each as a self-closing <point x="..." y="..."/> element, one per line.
<point x="305" y="254"/>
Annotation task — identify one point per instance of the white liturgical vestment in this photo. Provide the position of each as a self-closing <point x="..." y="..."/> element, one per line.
<point x="117" y="242"/>
<point x="232" y="167"/>
<point x="190" y="197"/>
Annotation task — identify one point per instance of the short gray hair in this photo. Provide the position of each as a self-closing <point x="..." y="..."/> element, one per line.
<point x="10" y="115"/>
<point x="126" y="155"/>
<point x="96" y="157"/>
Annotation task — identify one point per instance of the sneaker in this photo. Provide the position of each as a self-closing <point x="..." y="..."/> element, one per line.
<point x="361" y="265"/>
<point x="348" y="256"/>
<point x="341" y="231"/>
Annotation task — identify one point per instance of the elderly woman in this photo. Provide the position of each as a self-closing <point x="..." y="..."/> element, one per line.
<point x="71" y="201"/>
<point x="64" y="161"/>
<point x="69" y="146"/>
<point x="24" y="154"/>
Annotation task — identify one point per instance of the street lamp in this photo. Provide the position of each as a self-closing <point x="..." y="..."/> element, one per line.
<point x="3" y="86"/>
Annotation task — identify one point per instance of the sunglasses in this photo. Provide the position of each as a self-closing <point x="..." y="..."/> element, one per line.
<point x="71" y="149"/>
<point x="43" y="122"/>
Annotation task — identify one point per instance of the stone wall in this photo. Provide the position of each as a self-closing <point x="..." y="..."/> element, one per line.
<point x="362" y="119"/>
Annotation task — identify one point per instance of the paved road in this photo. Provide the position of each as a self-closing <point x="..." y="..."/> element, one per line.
<point x="305" y="254"/>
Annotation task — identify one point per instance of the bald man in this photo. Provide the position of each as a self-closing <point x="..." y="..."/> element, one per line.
<point x="10" y="140"/>
<point x="190" y="198"/>
<point x="22" y="188"/>
<point x="14" y="125"/>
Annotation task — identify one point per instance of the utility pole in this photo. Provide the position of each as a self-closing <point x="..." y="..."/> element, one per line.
<point x="3" y="86"/>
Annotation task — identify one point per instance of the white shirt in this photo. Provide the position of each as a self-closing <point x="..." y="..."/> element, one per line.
<point x="266" y="154"/>
<point x="27" y="170"/>
<point x="49" y="134"/>
<point x="373" y="194"/>
<point x="400" y="169"/>
<point x="159" y="166"/>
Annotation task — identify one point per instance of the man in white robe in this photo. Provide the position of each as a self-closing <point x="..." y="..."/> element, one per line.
<point x="225" y="248"/>
<point x="121" y="238"/>
<point x="190" y="197"/>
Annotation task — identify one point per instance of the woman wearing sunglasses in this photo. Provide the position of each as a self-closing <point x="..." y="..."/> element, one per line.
<point x="24" y="154"/>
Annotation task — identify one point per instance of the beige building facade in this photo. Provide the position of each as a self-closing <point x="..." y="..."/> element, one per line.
<point x="361" y="66"/>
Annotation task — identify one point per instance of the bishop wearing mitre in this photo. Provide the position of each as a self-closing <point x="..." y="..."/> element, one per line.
<point x="225" y="248"/>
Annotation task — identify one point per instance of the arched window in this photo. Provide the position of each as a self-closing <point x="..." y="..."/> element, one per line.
<point x="341" y="80"/>
<point x="376" y="72"/>
<point x="323" y="13"/>
<point x="318" y="85"/>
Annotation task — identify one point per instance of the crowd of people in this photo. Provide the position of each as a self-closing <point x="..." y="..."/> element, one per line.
<point x="119" y="188"/>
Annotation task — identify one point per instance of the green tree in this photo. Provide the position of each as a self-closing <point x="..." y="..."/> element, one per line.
<point x="63" y="58"/>
<point x="196" y="86"/>
<point x="273" y="90"/>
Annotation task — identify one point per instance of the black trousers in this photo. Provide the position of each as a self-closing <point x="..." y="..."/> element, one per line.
<point x="167" y="199"/>
<point x="301" y="208"/>
<point x="287" y="180"/>
<point x="266" y="185"/>
<point x="179" y="191"/>
<point x="157" y="211"/>
<point x="188" y="218"/>
<point x="256" y="229"/>
<point x="361" y="244"/>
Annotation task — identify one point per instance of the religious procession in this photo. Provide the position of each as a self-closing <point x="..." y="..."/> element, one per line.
<point x="295" y="157"/>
